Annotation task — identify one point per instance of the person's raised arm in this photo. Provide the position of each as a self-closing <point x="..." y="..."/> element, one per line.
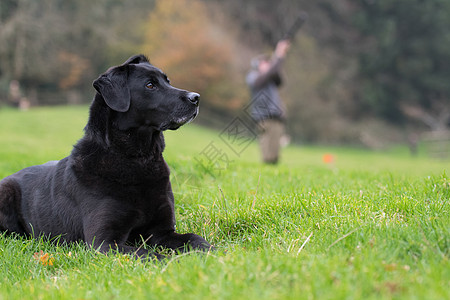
<point x="273" y="70"/>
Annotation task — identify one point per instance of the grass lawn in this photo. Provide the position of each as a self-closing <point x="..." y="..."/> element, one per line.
<point x="362" y="225"/>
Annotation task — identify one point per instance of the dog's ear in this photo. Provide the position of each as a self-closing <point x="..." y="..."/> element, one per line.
<point x="113" y="86"/>
<point x="136" y="59"/>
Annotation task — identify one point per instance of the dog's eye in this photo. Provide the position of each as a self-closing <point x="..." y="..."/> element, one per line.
<point x="150" y="85"/>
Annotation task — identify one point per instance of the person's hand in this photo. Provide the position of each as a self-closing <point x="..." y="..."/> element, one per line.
<point x="282" y="48"/>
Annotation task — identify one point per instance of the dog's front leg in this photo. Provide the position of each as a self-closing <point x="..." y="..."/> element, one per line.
<point x="164" y="235"/>
<point x="112" y="235"/>
<point x="169" y="238"/>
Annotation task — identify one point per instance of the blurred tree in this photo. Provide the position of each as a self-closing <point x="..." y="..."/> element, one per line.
<point x="56" y="48"/>
<point x="196" y="54"/>
<point x="405" y="62"/>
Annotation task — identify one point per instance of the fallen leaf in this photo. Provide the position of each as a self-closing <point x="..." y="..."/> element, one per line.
<point x="44" y="258"/>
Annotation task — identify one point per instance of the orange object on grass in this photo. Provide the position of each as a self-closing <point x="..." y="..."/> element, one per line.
<point x="328" y="158"/>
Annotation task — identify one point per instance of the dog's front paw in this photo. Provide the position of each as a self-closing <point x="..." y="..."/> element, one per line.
<point x="198" y="243"/>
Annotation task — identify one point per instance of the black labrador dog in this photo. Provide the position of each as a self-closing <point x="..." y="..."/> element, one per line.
<point x="113" y="190"/>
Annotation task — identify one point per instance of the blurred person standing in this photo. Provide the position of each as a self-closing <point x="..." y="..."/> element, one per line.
<point x="15" y="97"/>
<point x="14" y="94"/>
<point x="266" y="107"/>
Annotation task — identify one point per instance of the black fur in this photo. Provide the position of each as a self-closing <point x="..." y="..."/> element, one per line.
<point x="113" y="191"/>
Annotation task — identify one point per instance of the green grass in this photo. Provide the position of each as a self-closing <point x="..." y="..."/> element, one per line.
<point x="371" y="225"/>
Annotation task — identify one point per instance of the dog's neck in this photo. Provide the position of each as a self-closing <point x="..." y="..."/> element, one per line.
<point x="143" y="141"/>
<point x="137" y="142"/>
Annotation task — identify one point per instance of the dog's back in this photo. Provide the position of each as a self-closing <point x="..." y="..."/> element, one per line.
<point x="35" y="201"/>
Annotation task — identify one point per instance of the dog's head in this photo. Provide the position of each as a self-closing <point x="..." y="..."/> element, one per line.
<point x="141" y="95"/>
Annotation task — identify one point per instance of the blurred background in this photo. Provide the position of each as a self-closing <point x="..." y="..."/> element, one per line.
<point x="361" y="72"/>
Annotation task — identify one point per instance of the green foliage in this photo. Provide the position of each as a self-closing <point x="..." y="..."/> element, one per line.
<point x="358" y="224"/>
<point x="195" y="52"/>
<point x="55" y="49"/>
<point x="406" y="58"/>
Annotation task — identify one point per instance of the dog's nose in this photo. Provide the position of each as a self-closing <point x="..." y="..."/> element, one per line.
<point x="194" y="98"/>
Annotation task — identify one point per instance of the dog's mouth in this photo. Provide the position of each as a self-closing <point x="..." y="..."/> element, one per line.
<point x="190" y="119"/>
<point x="177" y="123"/>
